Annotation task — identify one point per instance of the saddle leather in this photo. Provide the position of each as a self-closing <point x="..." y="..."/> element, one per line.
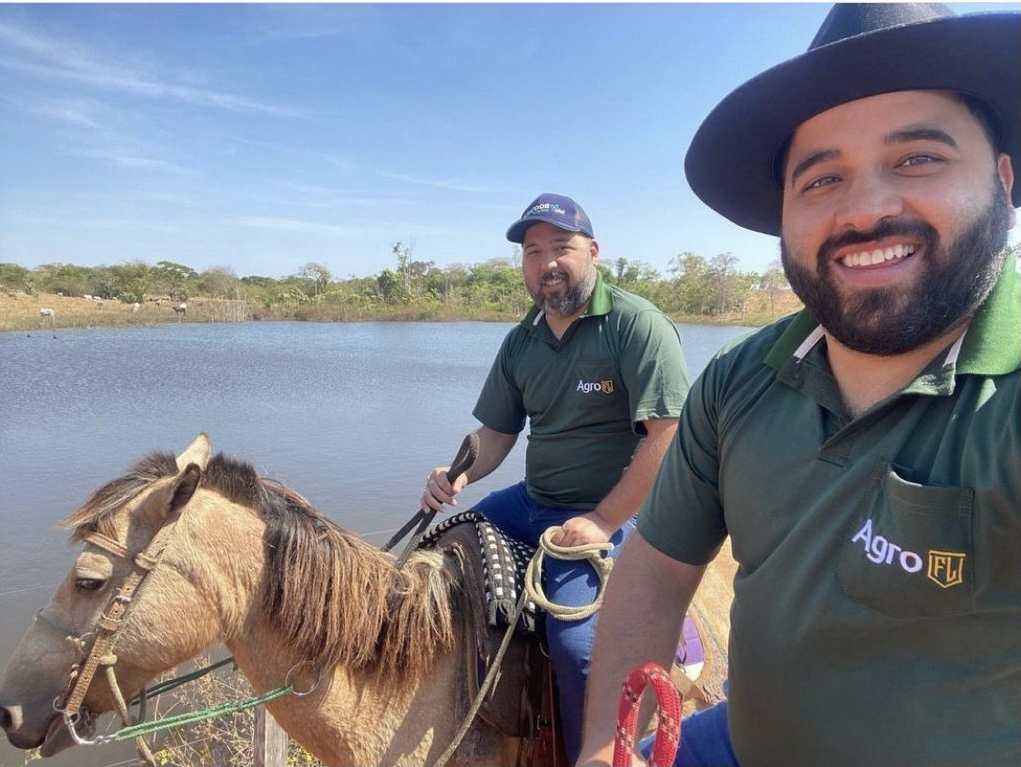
<point x="514" y="702"/>
<point x="522" y="701"/>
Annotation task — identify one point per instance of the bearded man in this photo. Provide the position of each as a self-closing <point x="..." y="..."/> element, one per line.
<point x="864" y="455"/>
<point x="600" y="377"/>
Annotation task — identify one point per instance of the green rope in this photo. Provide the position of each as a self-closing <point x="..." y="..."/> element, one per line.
<point x="146" y="728"/>
<point x="170" y="684"/>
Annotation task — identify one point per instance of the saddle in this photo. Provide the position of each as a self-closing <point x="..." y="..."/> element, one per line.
<point x="522" y="701"/>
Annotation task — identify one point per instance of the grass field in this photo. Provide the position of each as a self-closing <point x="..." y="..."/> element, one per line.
<point x="21" y="311"/>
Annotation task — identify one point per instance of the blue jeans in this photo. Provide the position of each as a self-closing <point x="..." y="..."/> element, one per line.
<point x="565" y="583"/>
<point x="705" y="740"/>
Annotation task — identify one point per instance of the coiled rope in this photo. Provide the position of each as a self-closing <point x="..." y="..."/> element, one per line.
<point x="668" y="709"/>
<point x="589" y="551"/>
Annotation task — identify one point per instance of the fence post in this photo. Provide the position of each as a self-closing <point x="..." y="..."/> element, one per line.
<point x="270" y="740"/>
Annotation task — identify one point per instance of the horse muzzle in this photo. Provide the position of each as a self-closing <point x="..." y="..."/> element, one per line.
<point x="51" y="738"/>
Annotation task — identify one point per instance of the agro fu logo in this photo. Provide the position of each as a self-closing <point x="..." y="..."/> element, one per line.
<point x="586" y="387"/>
<point x="944" y="568"/>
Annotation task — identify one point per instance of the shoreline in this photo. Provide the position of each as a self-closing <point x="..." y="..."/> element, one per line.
<point x="48" y="312"/>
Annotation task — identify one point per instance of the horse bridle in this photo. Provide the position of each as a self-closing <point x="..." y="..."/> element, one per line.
<point x="106" y="628"/>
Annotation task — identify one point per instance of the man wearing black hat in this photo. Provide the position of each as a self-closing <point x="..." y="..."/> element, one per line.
<point x="600" y="377"/>
<point x="864" y="455"/>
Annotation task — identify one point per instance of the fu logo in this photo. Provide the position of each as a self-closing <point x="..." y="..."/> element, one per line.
<point x="946" y="568"/>
<point x="587" y="387"/>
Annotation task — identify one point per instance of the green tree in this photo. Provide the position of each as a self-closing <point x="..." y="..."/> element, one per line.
<point x="390" y="286"/>
<point x="14" y="277"/>
<point x="173" y="279"/>
<point x="219" y="282"/>
<point x="774" y="282"/>
<point x="319" y="277"/>
<point x="691" y="283"/>
<point x="68" y="279"/>
<point x="130" y="280"/>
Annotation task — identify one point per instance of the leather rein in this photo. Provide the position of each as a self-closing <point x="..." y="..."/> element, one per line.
<point x="69" y="703"/>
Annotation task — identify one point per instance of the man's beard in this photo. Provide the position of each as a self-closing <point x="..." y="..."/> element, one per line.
<point x="955" y="280"/>
<point x="571" y="299"/>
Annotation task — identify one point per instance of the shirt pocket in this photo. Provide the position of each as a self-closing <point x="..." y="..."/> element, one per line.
<point x="596" y="392"/>
<point x="911" y="551"/>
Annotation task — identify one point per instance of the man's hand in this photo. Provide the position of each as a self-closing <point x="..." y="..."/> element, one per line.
<point x="585" y="528"/>
<point x="439" y="490"/>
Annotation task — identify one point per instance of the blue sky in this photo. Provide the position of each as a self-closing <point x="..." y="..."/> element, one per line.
<point x="262" y="137"/>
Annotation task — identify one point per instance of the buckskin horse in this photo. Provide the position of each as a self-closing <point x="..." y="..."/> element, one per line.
<point x="183" y="553"/>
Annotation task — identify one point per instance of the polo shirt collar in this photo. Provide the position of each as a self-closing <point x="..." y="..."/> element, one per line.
<point x="990" y="344"/>
<point x="599" y="304"/>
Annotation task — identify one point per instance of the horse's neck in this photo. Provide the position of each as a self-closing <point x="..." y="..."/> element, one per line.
<point x="350" y="718"/>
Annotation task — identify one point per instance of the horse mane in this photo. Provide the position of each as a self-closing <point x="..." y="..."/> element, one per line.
<point x="335" y="597"/>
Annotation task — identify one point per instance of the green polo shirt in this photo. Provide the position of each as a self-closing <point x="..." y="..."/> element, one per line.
<point x="877" y="605"/>
<point x="585" y="395"/>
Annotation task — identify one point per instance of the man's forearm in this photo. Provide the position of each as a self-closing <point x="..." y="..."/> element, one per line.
<point x="494" y="446"/>
<point x="640" y="621"/>
<point x="627" y="496"/>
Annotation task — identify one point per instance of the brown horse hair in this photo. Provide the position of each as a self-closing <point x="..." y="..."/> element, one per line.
<point x="336" y="597"/>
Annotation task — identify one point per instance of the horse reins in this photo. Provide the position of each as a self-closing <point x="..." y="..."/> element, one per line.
<point x="464" y="460"/>
<point x="106" y="628"/>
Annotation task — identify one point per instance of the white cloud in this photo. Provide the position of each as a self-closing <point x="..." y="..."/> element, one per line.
<point x="63" y="60"/>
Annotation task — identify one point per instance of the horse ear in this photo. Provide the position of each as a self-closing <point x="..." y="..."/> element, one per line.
<point x="196" y="453"/>
<point x="185" y="485"/>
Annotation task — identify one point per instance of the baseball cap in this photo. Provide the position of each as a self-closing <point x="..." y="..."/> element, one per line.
<point x="562" y="212"/>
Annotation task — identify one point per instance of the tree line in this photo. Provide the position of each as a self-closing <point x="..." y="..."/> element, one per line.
<point x="693" y="287"/>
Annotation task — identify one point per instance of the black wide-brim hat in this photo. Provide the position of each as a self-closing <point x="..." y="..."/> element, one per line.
<point x="861" y="50"/>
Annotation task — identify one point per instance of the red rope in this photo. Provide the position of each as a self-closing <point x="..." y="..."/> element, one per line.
<point x="668" y="703"/>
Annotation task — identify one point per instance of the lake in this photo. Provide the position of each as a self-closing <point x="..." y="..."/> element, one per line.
<point x="352" y="415"/>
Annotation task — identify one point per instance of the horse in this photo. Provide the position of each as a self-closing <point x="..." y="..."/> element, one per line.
<point x="374" y="651"/>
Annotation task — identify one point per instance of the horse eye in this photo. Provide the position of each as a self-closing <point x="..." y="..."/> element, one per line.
<point x="88" y="584"/>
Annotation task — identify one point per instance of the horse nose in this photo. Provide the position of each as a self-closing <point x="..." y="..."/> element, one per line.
<point x="10" y="717"/>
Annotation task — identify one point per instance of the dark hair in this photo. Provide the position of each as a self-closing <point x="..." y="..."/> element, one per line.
<point x="988" y="118"/>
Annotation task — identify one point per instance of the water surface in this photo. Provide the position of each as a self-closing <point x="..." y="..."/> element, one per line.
<point x="352" y="415"/>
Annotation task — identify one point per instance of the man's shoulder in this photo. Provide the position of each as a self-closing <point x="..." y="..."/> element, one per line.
<point x="517" y="336"/>
<point x="630" y="313"/>
<point x="631" y="303"/>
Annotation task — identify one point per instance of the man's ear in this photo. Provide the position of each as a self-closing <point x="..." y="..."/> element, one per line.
<point x="1006" y="173"/>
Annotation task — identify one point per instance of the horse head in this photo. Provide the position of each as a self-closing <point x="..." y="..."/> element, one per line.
<point x="97" y="627"/>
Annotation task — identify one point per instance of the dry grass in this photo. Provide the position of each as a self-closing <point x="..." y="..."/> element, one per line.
<point x="223" y="740"/>
<point x="21" y="311"/>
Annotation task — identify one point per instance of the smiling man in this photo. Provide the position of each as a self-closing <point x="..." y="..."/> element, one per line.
<point x="864" y="455"/>
<point x="600" y="378"/>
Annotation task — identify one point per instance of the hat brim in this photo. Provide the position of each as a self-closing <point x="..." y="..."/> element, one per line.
<point x="729" y="164"/>
<point x="516" y="233"/>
